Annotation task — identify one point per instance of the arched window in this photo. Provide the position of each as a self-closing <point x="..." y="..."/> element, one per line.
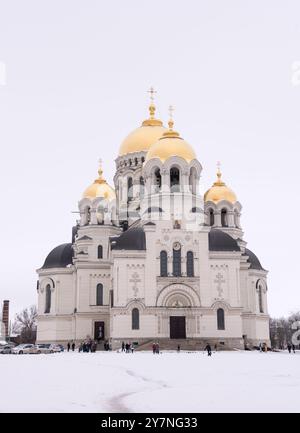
<point x="221" y="319"/>
<point x="135" y="161"/>
<point x="129" y="188"/>
<point x="224" y="220"/>
<point x="142" y="187"/>
<point x="100" y="252"/>
<point x="99" y="294"/>
<point x="211" y="217"/>
<point x="174" y="179"/>
<point x="177" y="261"/>
<point x="236" y="219"/>
<point x="192" y="180"/>
<point x="190" y="264"/>
<point x="87" y="214"/>
<point x="48" y="299"/>
<point x="163" y="264"/>
<point x="135" y="318"/>
<point x="260" y="299"/>
<point x="157" y="179"/>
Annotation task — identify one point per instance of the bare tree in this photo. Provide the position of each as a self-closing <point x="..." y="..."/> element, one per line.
<point x="281" y="330"/>
<point x="25" y="324"/>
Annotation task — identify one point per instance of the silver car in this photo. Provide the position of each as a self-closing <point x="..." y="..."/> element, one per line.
<point x="5" y="349"/>
<point x="25" y="349"/>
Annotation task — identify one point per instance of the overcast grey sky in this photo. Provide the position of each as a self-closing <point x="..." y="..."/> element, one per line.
<point x="73" y="83"/>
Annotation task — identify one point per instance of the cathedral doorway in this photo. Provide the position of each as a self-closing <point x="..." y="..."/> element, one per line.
<point x="177" y="327"/>
<point x="99" y="331"/>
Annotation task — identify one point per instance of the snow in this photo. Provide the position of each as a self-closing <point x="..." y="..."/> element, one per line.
<point x="143" y="382"/>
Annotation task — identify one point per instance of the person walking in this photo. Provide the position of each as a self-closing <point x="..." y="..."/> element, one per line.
<point x="289" y="347"/>
<point x="293" y="348"/>
<point x="73" y="346"/>
<point x="154" y="348"/>
<point x="157" y="349"/>
<point x="68" y="346"/>
<point x="208" y="349"/>
<point x="178" y="348"/>
<point x="123" y="346"/>
<point x="132" y="348"/>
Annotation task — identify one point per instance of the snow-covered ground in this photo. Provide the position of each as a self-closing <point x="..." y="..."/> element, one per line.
<point x="143" y="382"/>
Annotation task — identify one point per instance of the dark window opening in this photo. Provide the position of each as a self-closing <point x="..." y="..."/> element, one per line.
<point x="135" y="315"/>
<point x="190" y="264"/>
<point x="177" y="262"/>
<point x="163" y="264"/>
<point x="224" y="219"/>
<point x="100" y="252"/>
<point x="157" y="179"/>
<point x="48" y="299"/>
<point x="99" y="296"/>
<point x="221" y="319"/>
<point x="211" y="217"/>
<point x="174" y="179"/>
<point x="129" y="189"/>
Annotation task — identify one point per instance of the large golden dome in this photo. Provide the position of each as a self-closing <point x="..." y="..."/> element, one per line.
<point x="171" y="144"/>
<point x="143" y="137"/>
<point x="100" y="188"/>
<point x="220" y="191"/>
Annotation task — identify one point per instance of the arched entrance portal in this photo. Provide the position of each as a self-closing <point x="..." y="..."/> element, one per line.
<point x="178" y="299"/>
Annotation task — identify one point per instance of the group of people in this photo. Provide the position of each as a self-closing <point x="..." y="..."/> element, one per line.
<point x="71" y="346"/>
<point x="291" y="347"/>
<point x="127" y="347"/>
<point x="155" y="348"/>
<point x="88" y="346"/>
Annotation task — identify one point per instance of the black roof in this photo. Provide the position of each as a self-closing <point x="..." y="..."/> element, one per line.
<point x="221" y="241"/>
<point x="59" y="257"/>
<point x="253" y="260"/>
<point x="133" y="239"/>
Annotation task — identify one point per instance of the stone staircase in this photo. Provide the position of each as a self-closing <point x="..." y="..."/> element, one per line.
<point x="172" y="344"/>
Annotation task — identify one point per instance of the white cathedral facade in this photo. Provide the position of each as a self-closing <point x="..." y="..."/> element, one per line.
<point x="153" y="260"/>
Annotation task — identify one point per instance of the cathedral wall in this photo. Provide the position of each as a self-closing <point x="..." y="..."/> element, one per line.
<point x="129" y="278"/>
<point x="87" y="281"/>
<point x="233" y="326"/>
<point x="224" y="282"/>
<point x="121" y="327"/>
<point x="54" y="329"/>
<point x="62" y="292"/>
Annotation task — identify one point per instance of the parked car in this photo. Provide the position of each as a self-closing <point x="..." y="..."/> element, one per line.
<point x="56" y="348"/>
<point x="5" y="349"/>
<point x="44" y="348"/>
<point x="26" y="349"/>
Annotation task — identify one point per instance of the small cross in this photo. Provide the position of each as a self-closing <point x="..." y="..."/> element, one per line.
<point x="135" y="279"/>
<point x="152" y="92"/>
<point x="219" y="280"/>
<point x="171" y="111"/>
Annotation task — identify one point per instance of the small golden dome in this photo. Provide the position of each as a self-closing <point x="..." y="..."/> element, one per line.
<point x="143" y="137"/>
<point x="100" y="188"/>
<point x="220" y="191"/>
<point x="171" y="144"/>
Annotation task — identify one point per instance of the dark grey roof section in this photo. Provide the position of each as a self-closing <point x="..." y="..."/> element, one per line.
<point x="220" y="241"/>
<point x="59" y="257"/>
<point x="253" y="260"/>
<point x="85" y="238"/>
<point x="133" y="239"/>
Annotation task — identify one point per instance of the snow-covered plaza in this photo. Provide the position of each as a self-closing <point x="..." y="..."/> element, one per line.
<point x="143" y="382"/>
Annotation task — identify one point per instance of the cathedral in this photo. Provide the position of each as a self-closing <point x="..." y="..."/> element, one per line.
<point x="152" y="260"/>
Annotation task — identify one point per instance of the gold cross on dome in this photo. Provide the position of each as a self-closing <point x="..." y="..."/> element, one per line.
<point x="152" y="92"/>
<point x="100" y="170"/>
<point x="171" y="111"/>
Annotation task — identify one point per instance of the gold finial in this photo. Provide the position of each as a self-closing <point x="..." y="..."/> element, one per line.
<point x="219" y="175"/>
<point x="171" y="121"/>
<point x="170" y="132"/>
<point x="100" y="172"/>
<point x="152" y="121"/>
<point x="152" y="107"/>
